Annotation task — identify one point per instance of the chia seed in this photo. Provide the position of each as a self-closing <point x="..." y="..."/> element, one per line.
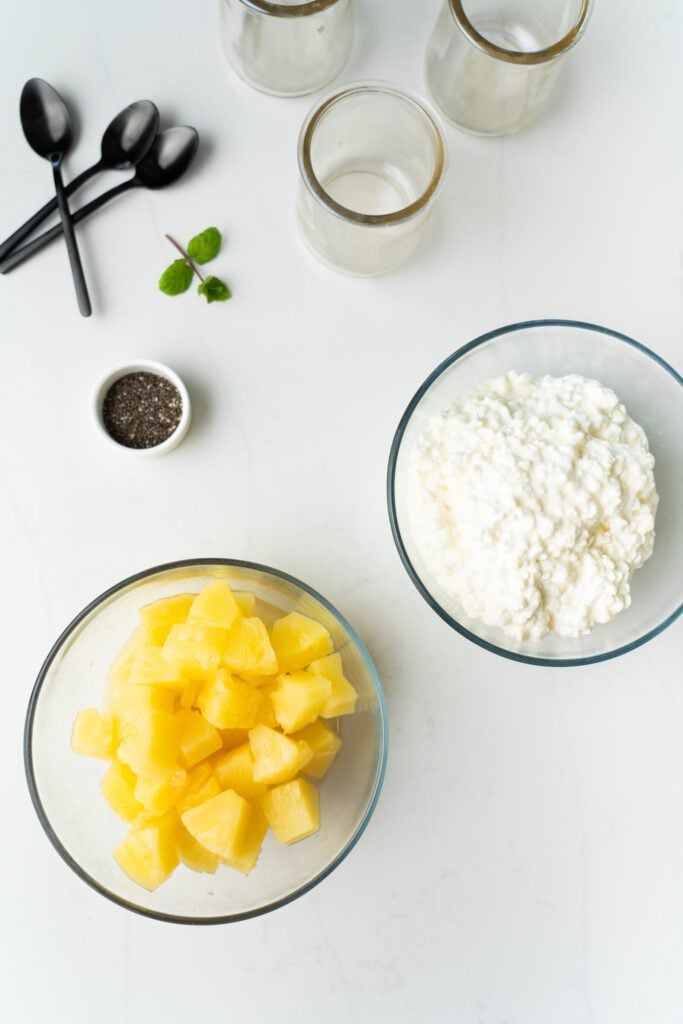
<point x="141" y="410"/>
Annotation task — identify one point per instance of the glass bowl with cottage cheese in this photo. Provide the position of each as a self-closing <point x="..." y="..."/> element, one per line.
<point x="535" y="485"/>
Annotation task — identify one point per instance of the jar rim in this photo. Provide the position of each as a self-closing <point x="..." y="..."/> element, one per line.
<point x="279" y="10"/>
<point x="315" y="186"/>
<point x="548" y="53"/>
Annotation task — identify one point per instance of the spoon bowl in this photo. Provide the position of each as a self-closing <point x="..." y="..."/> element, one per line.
<point x="46" y="120"/>
<point x="129" y="136"/>
<point x="171" y="154"/>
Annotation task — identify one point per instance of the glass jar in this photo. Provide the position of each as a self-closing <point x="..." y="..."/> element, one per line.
<point x="371" y="158"/>
<point x="491" y="64"/>
<point x="287" y="48"/>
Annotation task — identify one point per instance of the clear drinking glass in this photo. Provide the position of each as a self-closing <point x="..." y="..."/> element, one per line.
<point x="492" y="64"/>
<point x="371" y="159"/>
<point x="287" y="48"/>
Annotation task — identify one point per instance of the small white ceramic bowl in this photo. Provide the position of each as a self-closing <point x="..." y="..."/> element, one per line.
<point x="143" y="366"/>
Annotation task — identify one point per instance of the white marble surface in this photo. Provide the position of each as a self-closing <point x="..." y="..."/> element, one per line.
<point x="525" y="864"/>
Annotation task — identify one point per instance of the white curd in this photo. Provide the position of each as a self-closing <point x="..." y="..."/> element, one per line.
<point x="532" y="501"/>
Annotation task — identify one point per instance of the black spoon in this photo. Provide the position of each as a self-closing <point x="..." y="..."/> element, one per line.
<point x="49" y="132"/>
<point x="124" y="143"/>
<point x="171" y="154"/>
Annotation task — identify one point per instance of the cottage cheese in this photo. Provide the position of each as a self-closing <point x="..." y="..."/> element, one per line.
<point x="532" y="501"/>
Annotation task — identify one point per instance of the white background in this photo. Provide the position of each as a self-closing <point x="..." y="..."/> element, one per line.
<point x="525" y="863"/>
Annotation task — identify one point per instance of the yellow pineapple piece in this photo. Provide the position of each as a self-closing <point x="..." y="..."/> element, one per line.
<point x="298" y="640"/>
<point x="246" y="853"/>
<point x="215" y="606"/>
<point x="266" y="712"/>
<point x="201" y="785"/>
<point x="198" y="739"/>
<point x="246" y="602"/>
<point x="248" y="650"/>
<point x="299" y="698"/>
<point x="234" y="769"/>
<point x="150" y="668"/>
<point x="234" y="738"/>
<point x="219" y="824"/>
<point x="188" y="698"/>
<point x="193" y="649"/>
<point x="158" y="617"/>
<point x="277" y="758"/>
<point x="292" y="810"/>
<point x="158" y="795"/>
<point x="325" y="745"/>
<point x="148" y="855"/>
<point x="93" y="734"/>
<point x="128" y="701"/>
<point x="342" y="700"/>
<point x="229" y="703"/>
<point x="151" y="744"/>
<point x="192" y="853"/>
<point x="118" y="789"/>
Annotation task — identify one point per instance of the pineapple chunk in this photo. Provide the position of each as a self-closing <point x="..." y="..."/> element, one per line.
<point x="198" y="739"/>
<point x="152" y="744"/>
<point x="219" y="824"/>
<point x="150" y="668"/>
<point x="118" y="789"/>
<point x="298" y="640"/>
<point x="158" y="617"/>
<point x="325" y="745"/>
<point x="234" y="769"/>
<point x="192" y="853"/>
<point x="215" y="606"/>
<point x="93" y="734"/>
<point x="148" y="855"/>
<point x="248" y="649"/>
<point x="299" y="698"/>
<point x="202" y="784"/>
<point x="229" y="703"/>
<point x="193" y="649"/>
<point x="292" y="810"/>
<point x="127" y="702"/>
<point x="342" y="700"/>
<point x="158" y="795"/>
<point x="277" y="758"/>
<point x="246" y="602"/>
<point x="246" y="853"/>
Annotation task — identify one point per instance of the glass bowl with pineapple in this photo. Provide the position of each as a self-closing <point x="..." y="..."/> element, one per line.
<point x="206" y="741"/>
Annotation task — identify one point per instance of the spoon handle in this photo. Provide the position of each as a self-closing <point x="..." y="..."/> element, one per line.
<point x="71" y="244"/>
<point x="44" y="212"/>
<point x="20" y="255"/>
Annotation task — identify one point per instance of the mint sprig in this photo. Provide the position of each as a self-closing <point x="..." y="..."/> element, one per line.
<point x="201" y="249"/>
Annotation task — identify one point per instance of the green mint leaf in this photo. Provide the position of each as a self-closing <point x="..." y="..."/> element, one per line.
<point x="205" y="246"/>
<point x="176" y="279"/>
<point x="214" y="290"/>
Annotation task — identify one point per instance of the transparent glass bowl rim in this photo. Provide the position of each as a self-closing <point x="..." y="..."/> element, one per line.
<point x="301" y="10"/>
<point x="549" y="53"/>
<point x="191" y="563"/>
<point x="393" y="514"/>
<point x="315" y="187"/>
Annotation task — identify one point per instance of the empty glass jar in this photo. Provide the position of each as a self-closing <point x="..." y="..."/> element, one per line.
<point x="287" y="48"/>
<point x="371" y="159"/>
<point x="492" y="64"/>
